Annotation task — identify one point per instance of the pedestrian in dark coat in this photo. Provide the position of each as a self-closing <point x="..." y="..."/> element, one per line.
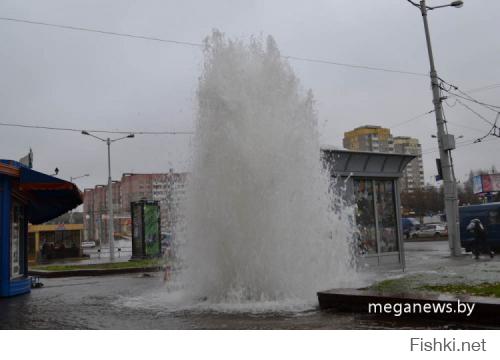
<point x="480" y="238"/>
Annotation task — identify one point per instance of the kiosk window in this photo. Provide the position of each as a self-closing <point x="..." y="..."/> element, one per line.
<point x="17" y="240"/>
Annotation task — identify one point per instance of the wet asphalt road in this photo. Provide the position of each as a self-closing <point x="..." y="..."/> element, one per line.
<point x="132" y="301"/>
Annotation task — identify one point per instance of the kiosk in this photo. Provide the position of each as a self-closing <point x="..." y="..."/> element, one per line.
<point x="26" y="196"/>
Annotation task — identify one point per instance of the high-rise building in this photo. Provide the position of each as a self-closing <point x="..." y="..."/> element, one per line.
<point x="414" y="172"/>
<point x="378" y="139"/>
<point x="369" y="138"/>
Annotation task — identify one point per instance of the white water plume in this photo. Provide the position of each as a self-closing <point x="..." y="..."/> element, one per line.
<point x="259" y="219"/>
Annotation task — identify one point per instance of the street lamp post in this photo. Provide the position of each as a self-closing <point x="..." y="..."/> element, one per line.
<point x="71" y="179"/>
<point x="446" y="141"/>
<point x="108" y="142"/>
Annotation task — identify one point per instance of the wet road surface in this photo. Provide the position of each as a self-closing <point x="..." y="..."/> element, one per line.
<point x="135" y="302"/>
<point x="132" y="301"/>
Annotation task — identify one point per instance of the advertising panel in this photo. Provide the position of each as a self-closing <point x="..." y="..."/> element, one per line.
<point x="486" y="180"/>
<point x="477" y="184"/>
<point x="495" y="182"/>
<point x="486" y="183"/>
<point x="152" y="229"/>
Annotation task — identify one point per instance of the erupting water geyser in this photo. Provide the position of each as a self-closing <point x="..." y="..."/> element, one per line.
<point x="260" y="224"/>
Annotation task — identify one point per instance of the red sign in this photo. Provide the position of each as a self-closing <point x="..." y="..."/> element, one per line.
<point x="487" y="187"/>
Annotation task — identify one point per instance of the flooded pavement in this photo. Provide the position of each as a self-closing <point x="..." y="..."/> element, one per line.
<point x="135" y="302"/>
<point x="430" y="263"/>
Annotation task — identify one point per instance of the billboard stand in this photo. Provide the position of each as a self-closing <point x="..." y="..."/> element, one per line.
<point x="487" y="185"/>
<point x="146" y="229"/>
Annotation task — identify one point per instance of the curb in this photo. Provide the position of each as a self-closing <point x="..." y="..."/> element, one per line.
<point x="486" y="310"/>
<point x="91" y="272"/>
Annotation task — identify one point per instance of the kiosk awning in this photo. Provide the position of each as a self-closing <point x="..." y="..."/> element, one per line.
<point x="48" y="197"/>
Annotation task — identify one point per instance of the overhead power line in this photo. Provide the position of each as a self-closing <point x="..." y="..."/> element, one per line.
<point x="474" y="112"/>
<point x="98" y="131"/>
<point x="364" y="67"/>
<point x="453" y="123"/>
<point x="200" y="45"/>
<point x="484" y="88"/>
<point x="466" y="96"/>
<point x="474" y="142"/>
<point x="411" y="119"/>
<point x="471" y="99"/>
<point x="459" y="145"/>
<point x="494" y="131"/>
<point x="77" y="28"/>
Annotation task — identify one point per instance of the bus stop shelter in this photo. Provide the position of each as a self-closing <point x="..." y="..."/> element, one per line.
<point x="26" y="196"/>
<point x="369" y="181"/>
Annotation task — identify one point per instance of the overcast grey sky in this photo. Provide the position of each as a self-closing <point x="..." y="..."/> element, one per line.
<point x="66" y="78"/>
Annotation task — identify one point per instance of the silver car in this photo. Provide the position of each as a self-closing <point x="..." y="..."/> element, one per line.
<point x="431" y="231"/>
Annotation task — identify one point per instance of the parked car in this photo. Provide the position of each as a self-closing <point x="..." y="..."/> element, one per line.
<point x="431" y="231"/>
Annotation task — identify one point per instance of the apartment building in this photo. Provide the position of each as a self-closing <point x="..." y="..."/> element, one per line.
<point x="414" y="172"/>
<point x="369" y="138"/>
<point x="375" y="138"/>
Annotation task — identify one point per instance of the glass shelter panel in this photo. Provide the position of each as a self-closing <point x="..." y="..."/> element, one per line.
<point x="365" y="215"/>
<point x="386" y="215"/>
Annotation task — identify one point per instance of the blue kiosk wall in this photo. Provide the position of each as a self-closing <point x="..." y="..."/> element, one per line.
<point x="26" y="195"/>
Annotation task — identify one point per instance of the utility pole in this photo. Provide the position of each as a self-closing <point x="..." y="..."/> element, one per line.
<point x="111" y="230"/>
<point x="446" y="142"/>
<point x="108" y="142"/>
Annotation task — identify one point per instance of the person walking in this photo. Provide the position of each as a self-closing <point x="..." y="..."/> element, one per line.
<point x="480" y="239"/>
